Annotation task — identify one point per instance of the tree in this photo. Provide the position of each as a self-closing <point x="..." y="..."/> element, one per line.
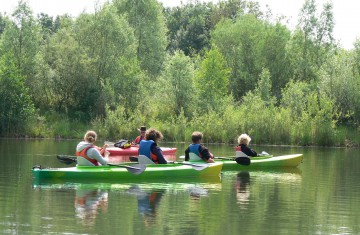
<point x="312" y="42"/>
<point x="177" y="82"/>
<point x="16" y="107"/>
<point x="3" y="21"/>
<point x="109" y="41"/>
<point x="21" y="40"/>
<point x="340" y="80"/>
<point x="189" y="27"/>
<point x="147" y="19"/>
<point x="212" y="80"/>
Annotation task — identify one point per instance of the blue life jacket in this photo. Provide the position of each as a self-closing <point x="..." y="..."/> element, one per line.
<point x="194" y="148"/>
<point x="145" y="148"/>
<point x="194" y="154"/>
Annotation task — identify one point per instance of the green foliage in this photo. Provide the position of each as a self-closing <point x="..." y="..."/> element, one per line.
<point x="228" y="69"/>
<point x="248" y="46"/>
<point x="189" y="28"/>
<point x="148" y="22"/>
<point x="16" y="109"/>
<point x="313" y="42"/>
<point x="176" y="90"/>
<point x="21" y="42"/>
<point x="212" y="81"/>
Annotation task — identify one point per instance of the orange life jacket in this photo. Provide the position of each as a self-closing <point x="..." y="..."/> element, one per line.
<point x="83" y="154"/>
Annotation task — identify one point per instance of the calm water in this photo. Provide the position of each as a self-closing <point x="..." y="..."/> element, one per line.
<point x="322" y="196"/>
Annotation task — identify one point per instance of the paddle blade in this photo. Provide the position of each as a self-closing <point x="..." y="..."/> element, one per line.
<point x="66" y="159"/>
<point x="145" y="160"/>
<point x="245" y="161"/>
<point x="136" y="169"/>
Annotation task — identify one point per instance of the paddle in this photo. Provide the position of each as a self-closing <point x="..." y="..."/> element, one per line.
<point x="145" y="160"/>
<point x="240" y="160"/>
<point x="245" y="161"/>
<point x="134" y="159"/>
<point x="136" y="170"/>
<point x="195" y="166"/>
<point x="66" y="159"/>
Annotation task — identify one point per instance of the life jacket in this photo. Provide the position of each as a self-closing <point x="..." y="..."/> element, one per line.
<point x="194" y="154"/>
<point x="138" y="139"/>
<point x="83" y="154"/>
<point x="239" y="153"/>
<point x="145" y="149"/>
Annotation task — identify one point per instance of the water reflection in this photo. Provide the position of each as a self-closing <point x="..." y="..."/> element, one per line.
<point x="243" y="188"/>
<point x="246" y="182"/>
<point x="91" y="200"/>
<point x="148" y="202"/>
<point x="89" y="203"/>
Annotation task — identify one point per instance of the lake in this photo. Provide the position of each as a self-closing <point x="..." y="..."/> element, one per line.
<point x="321" y="196"/>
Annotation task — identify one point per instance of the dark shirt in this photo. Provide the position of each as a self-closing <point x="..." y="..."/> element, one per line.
<point x="204" y="153"/>
<point x="248" y="151"/>
<point x="158" y="152"/>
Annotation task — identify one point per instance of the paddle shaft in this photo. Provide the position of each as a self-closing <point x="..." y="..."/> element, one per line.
<point x="132" y="169"/>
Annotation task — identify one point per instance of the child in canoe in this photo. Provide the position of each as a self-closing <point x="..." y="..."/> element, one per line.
<point x="196" y="151"/>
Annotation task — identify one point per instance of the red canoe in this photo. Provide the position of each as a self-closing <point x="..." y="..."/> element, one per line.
<point x="133" y="151"/>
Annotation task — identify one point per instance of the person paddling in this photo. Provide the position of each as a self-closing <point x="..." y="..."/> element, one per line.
<point x="88" y="154"/>
<point x="243" y="147"/>
<point x="196" y="151"/>
<point x="149" y="148"/>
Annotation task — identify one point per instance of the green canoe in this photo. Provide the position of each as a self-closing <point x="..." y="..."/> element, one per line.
<point x="130" y="172"/>
<point x="260" y="163"/>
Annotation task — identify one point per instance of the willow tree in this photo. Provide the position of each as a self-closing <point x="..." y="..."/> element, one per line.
<point x="16" y="106"/>
<point x="147" y="19"/>
<point x="189" y="27"/>
<point x="313" y="41"/>
<point x="212" y="81"/>
<point x="109" y="41"/>
<point x="21" y="40"/>
<point x="176" y="85"/>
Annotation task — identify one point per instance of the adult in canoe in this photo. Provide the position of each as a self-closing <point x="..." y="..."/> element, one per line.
<point x="141" y="137"/>
<point x="196" y="151"/>
<point x="88" y="154"/>
<point x="149" y="148"/>
<point x="243" y="148"/>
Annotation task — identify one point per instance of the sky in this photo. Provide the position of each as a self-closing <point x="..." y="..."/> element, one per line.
<point x="346" y="15"/>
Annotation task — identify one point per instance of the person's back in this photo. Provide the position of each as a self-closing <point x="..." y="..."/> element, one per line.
<point x="243" y="148"/>
<point x="149" y="148"/>
<point x="196" y="151"/>
<point x="87" y="153"/>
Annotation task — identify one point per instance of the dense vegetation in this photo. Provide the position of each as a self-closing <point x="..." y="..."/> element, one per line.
<point x="223" y="69"/>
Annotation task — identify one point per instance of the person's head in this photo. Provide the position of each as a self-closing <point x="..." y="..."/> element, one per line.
<point x="153" y="134"/>
<point x="196" y="137"/>
<point x="142" y="130"/>
<point x="244" y="139"/>
<point x="90" y="136"/>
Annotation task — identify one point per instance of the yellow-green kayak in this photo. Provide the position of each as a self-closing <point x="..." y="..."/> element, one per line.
<point x="292" y="160"/>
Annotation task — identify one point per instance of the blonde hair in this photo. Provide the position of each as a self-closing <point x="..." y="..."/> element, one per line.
<point x="244" y="139"/>
<point x="153" y="134"/>
<point x="90" y="136"/>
